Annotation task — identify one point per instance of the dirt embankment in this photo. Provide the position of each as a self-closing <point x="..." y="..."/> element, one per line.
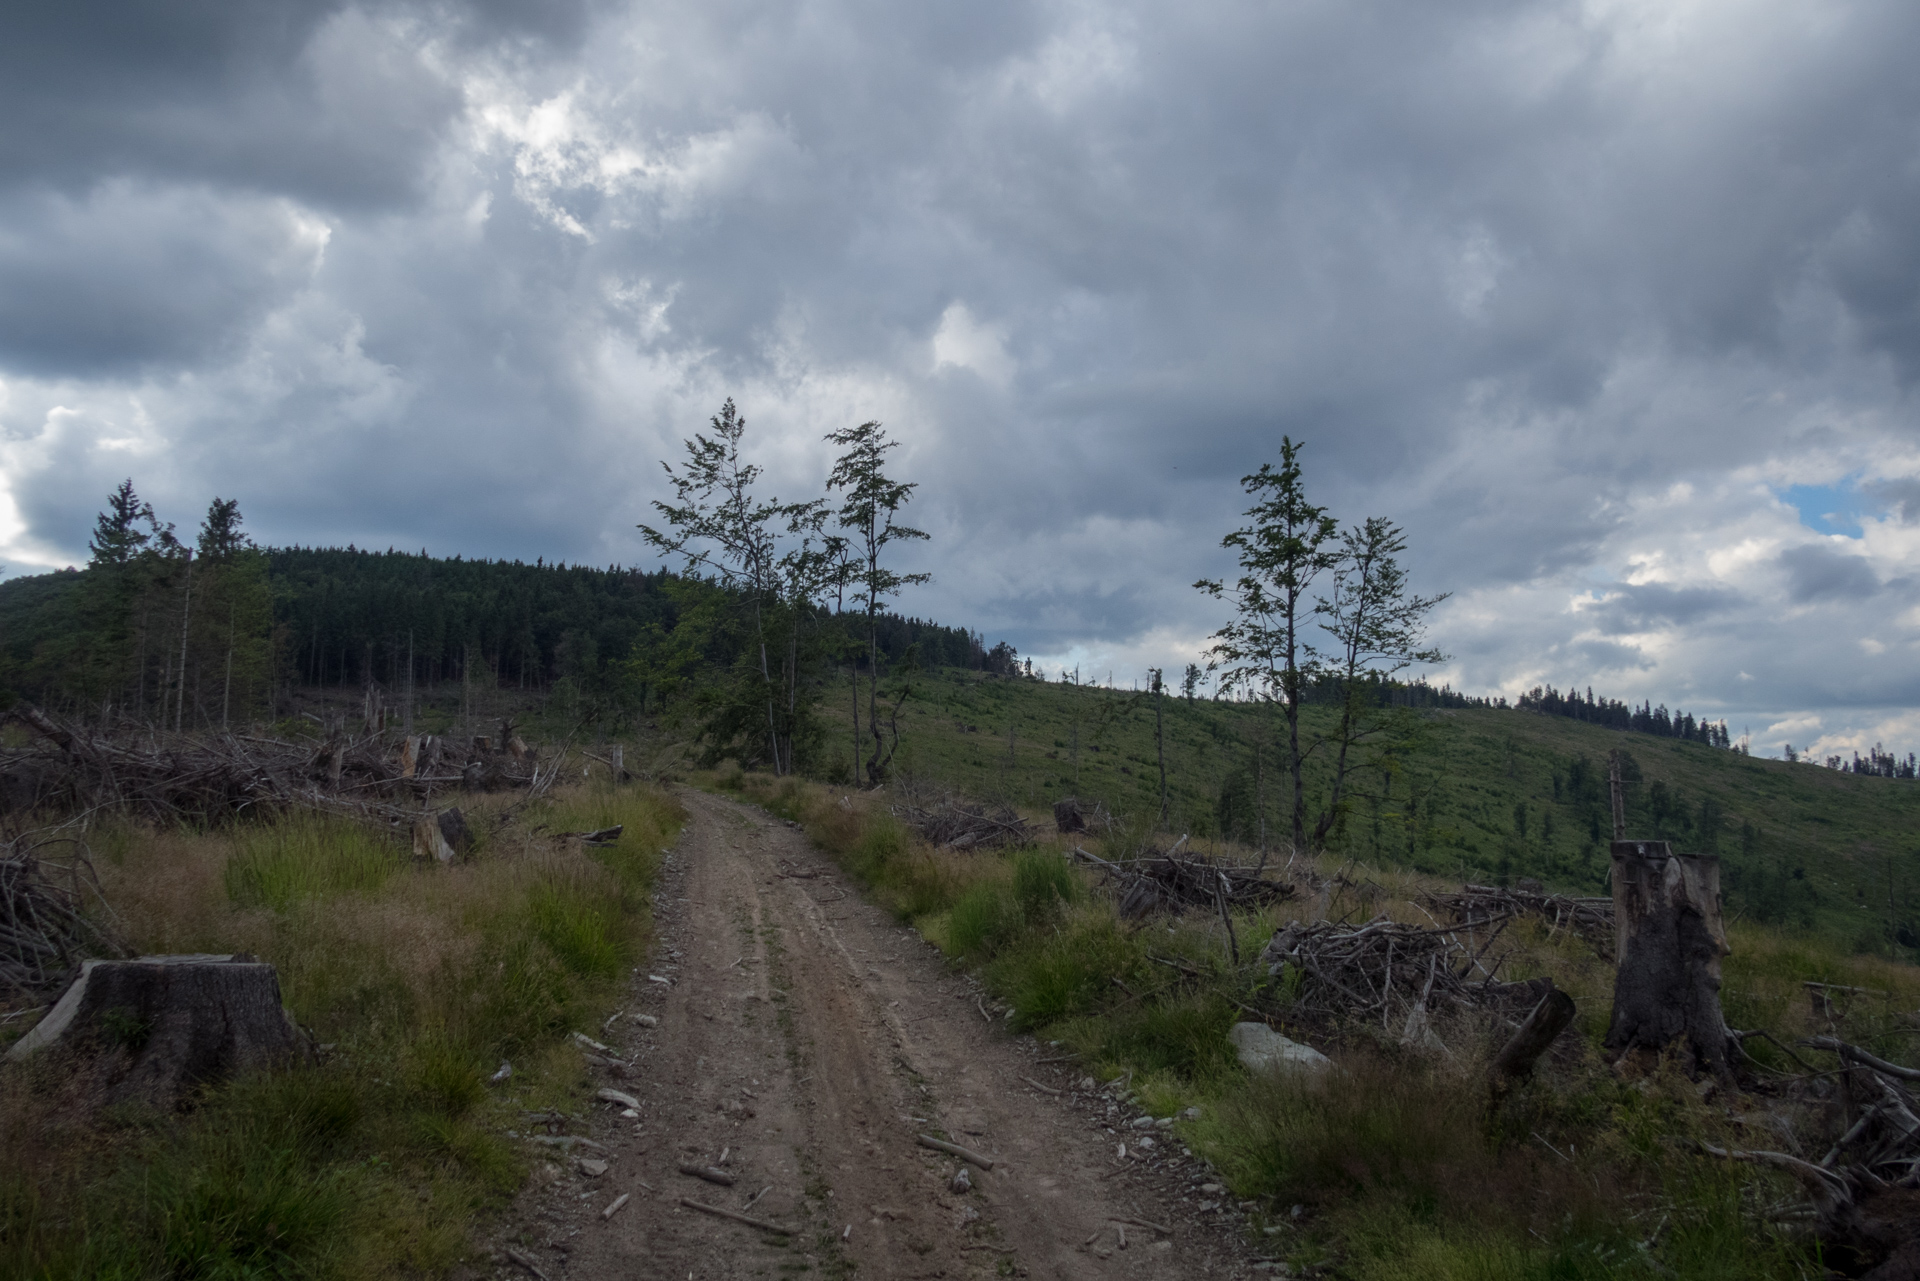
<point x="804" y="1040"/>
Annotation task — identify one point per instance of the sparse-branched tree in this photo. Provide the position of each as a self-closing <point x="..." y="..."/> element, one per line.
<point x="869" y="513"/>
<point x="1376" y="627"/>
<point x="778" y="558"/>
<point x="1264" y="652"/>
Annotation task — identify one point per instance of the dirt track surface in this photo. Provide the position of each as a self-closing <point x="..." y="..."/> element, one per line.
<point x="804" y="1039"/>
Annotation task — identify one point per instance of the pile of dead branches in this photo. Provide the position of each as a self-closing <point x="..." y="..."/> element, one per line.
<point x="182" y="777"/>
<point x="1390" y="973"/>
<point x="1862" y="1186"/>
<point x="45" y="886"/>
<point x="1169" y="882"/>
<point x="957" y="824"/>
<point x="1477" y="905"/>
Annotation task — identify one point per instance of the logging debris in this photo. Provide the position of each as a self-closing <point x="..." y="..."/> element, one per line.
<point x="1169" y="882"/>
<point x="957" y="824"/>
<point x="177" y="777"/>
<point x="1862" y="1187"/>
<point x="1591" y="919"/>
<point x="46" y="883"/>
<point x="1391" y="973"/>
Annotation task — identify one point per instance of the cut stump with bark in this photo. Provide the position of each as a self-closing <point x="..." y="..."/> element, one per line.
<point x="163" y="1025"/>
<point x="1669" y="940"/>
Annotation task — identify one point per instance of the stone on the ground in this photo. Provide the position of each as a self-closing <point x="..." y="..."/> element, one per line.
<point x="591" y="1168"/>
<point x="962" y="1181"/>
<point x="1264" y="1050"/>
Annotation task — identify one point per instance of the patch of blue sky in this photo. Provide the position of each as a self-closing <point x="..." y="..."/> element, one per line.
<point x="1831" y="509"/>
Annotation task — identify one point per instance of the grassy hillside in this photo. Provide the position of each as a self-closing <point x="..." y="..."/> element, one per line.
<point x="1479" y="794"/>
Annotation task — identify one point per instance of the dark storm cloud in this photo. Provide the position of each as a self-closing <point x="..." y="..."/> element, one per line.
<point x="1636" y="608"/>
<point x="320" y="99"/>
<point x="1816" y="573"/>
<point x="124" y="277"/>
<point x="1899" y="497"/>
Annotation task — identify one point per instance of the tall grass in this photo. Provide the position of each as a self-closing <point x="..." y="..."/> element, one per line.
<point x="421" y="979"/>
<point x="308" y="857"/>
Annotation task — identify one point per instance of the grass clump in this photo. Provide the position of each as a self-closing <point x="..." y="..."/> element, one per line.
<point x="307" y="857"/>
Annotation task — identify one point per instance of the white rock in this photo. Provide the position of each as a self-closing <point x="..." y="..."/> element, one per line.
<point x="1143" y="1123"/>
<point x="591" y="1168"/>
<point x="616" y="1097"/>
<point x="1263" y="1049"/>
<point x="1164" y="1123"/>
<point x="646" y="1020"/>
<point x="961" y="1181"/>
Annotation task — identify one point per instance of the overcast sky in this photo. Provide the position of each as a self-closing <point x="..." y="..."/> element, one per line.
<point x="1615" y="306"/>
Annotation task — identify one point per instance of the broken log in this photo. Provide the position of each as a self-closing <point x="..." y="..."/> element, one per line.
<point x="1548" y="1020"/>
<point x="167" y="1024"/>
<point x="736" y="1216"/>
<point x="1669" y="939"/>
<point x="710" y="1173"/>
<point x="954" y="1149"/>
<point x="428" y="844"/>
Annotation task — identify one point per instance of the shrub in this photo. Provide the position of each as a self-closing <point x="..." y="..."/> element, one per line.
<point x="1042" y="884"/>
<point x="980" y="919"/>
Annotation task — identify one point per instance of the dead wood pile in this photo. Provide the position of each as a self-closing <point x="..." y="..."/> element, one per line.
<point x="45" y="886"/>
<point x="957" y="824"/>
<point x="1169" y="882"/>
<point x="1473" y="906"/>
<point x="1391" y="973"/>
<point x="1865" y="1187"/>
<point x="173" y="777"/>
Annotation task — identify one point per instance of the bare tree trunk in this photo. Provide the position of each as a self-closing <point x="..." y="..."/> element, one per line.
<point x="1160" y="742"/>
<point x="853" y="674"/>
<point x="1618" y="795"/>
<point x="226" y="690"/>
<point x="186" y="611"/>
<point x="1669" y="940"/>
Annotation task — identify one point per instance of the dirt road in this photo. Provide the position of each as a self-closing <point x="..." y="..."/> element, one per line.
<point x="804" y="1040"/>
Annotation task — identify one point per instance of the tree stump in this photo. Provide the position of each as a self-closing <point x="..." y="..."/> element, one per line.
<point x="162" y="1025"/>
<point x="1669" y="941"/>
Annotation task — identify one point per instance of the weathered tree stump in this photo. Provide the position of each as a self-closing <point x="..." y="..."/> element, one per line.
<point x="1669" y="941"/>
<point x="164" y="1025"/>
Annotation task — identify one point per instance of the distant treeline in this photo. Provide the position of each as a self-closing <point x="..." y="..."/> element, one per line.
<point x="1877" y="762"/>
<point x="347" y="616"/>
<point x="1614" y="714"/>
<point x="353" y="615"/>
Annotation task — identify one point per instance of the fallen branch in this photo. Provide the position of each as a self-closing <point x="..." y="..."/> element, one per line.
<point x="736" y="1216"/>
<point x="954" y="1149"/>
<point x="707" y="1172"/>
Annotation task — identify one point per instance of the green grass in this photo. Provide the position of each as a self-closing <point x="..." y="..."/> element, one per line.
<point x="1476" y="794"/>
<point x="306" y="857"/>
